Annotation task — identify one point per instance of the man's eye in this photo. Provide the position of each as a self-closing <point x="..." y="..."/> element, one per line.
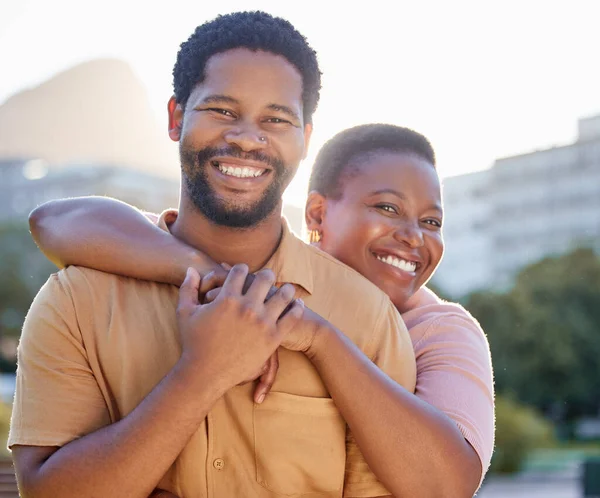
<point x="388" y="208"/>
<point x="224" y="112"/>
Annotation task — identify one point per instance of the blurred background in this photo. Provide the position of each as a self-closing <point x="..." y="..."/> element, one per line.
<point x="508" y="93"/>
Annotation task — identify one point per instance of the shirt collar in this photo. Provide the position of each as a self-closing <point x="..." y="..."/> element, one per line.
<point x="291" y="261"/>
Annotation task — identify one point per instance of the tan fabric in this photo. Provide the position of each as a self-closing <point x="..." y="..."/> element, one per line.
<point x="94" y="345"/>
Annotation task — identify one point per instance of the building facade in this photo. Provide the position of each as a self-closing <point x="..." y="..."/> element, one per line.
<point x="521" y="210"/>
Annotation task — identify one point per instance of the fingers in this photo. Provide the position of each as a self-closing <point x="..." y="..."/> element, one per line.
<point x="215" y="278"/>
<point x="188" y="292"/>
<point x="280" y="300"/>
<point x="267" y="379"/>
<point x="211" y="295"/>
<point x="263" y="281"/>
<point x="232" y="280"/>
<point x="235" y="280"/>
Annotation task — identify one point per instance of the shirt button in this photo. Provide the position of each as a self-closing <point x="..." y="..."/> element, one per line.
<point x="219" y="463"/>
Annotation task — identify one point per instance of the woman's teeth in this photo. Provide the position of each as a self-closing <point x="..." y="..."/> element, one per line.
<point x="245" y="172"/>
<point x="409" y="266"/>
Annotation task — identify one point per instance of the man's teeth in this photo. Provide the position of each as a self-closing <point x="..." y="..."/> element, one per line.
<point x="409" y="266"/>
<point x="244" y="172"/>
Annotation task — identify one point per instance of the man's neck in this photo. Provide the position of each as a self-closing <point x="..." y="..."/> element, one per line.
<point x="253" y="246"/>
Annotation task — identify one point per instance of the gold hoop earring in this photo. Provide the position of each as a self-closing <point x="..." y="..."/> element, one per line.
<point x="314" y="236"/>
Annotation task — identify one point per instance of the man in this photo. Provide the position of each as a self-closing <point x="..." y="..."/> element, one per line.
<point x="117" y="394"/>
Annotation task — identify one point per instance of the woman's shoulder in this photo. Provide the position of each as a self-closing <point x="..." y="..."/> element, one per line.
<point x="430" y="318"/>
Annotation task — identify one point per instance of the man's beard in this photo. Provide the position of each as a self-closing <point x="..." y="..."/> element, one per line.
<point x="194" y="166"/>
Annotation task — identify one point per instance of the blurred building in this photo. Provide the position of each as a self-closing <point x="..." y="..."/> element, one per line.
<point x="524" y="208"/>
<point x="27" y="183"/>
<point x="466" y="264"/>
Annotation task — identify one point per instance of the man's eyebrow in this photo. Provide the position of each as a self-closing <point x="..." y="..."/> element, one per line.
<point x="285" y="109"/>
<point x="434" y="207"/>
<point x="219" y="99"/>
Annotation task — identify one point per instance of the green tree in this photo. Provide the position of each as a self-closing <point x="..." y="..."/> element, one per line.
<point x="544" y="335"/>
<point x="4" y="426"/>
<point x="23" y="270"/>
<point x="519" y="429"/>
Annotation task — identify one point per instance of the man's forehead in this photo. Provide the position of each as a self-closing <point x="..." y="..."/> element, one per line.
<point x="262" y="75"/>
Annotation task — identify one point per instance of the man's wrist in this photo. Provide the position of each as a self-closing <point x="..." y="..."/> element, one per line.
<point x="193" y="375"/>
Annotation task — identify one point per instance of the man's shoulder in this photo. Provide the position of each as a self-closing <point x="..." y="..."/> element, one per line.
<point x="340" y="292"/>
<point x="330" y="273"/>
<point x="87" y="283"/>
<point x="79" y="277"/>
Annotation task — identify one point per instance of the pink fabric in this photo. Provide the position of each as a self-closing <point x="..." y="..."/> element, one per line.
<point x="454" y="368"/>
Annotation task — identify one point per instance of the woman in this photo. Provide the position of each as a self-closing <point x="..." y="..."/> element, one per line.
<point x="375" y="204"/>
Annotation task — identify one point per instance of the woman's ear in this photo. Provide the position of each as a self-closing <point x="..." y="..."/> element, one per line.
<point x="314" y="215"/>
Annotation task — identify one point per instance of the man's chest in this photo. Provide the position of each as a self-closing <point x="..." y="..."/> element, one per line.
<point x="294" y="440"/>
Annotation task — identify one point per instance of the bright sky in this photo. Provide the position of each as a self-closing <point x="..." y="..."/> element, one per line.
<point x="481" y="79"/>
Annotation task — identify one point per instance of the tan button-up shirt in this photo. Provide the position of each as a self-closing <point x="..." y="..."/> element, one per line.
<point x="94" y="345"/>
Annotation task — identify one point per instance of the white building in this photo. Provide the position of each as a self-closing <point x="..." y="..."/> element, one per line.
<point x="466" y="264"/>
<point x="524" y="208"/>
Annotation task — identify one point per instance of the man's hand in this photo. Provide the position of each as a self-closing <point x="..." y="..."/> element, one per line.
<point x="234" y="335"/>
<point x="210" y="286"/>
<point x="301" y="337"/>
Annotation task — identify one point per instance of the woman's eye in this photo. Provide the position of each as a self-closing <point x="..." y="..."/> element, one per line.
<point x="434" y="223"/>
<point x="277" y="120"/>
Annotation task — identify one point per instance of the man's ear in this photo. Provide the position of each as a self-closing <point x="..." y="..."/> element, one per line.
<point x="175" y="119"/>
<point x="308" y="128"/>
<point x="314" y="213"/>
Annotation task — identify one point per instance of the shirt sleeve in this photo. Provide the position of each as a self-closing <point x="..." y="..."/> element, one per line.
<point x="454" y="374"/>
<point x="57" y="398"/>
<point x="393" y="353"/>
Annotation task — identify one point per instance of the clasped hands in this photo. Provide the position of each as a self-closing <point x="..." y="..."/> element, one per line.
<point x="232" y="323"/>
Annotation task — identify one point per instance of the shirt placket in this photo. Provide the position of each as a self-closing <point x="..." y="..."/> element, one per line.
<point x="215" y="462"/>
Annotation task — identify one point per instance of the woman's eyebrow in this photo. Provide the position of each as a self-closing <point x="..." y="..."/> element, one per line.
<point x="392" y="191"/>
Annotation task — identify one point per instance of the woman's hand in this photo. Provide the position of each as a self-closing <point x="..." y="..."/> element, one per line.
<point x="299" y="339"/>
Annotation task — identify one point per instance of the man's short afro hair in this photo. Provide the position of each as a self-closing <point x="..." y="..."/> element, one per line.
<point x="341" y="153"/>
<point x="254" y="31"/>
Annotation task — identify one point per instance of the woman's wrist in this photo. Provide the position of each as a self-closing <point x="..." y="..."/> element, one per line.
<point x="322" y="334"/>
<point x="197" y="260"/>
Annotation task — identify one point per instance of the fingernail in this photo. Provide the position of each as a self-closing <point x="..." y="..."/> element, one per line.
<point x="260" y="399"/>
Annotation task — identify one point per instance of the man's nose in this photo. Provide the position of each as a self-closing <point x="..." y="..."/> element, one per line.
<point x="247" y="137"/>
